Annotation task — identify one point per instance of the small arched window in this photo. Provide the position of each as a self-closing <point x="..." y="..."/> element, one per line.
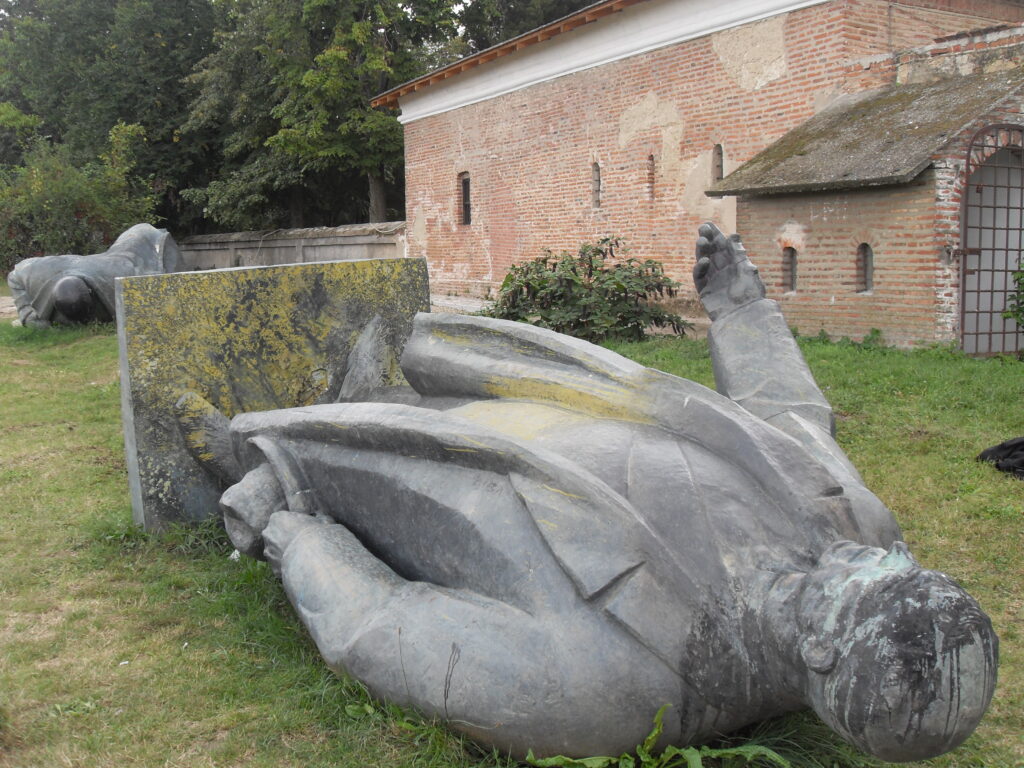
<point x="865" y="268"/>
<point x="595" y="185"/>
<point x="717" y="164"/>
<point x="789" y="269"/>
<point x="650" y="177"/>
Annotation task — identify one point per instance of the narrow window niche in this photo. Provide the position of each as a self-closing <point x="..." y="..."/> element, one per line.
<point x="865" y="268"/>
<point x="717" y="164"/>
<point x="465" y="209"/>
<point x="650" y="177"/>
<point x="789" y="269"/>
<point x="595" y="185"/>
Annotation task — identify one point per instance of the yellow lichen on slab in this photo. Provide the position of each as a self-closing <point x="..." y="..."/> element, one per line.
<point x="248" y="340"/>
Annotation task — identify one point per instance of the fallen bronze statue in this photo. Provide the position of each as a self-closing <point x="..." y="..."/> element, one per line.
<point x="543" y="543"/>
<point x="70" y="289"/>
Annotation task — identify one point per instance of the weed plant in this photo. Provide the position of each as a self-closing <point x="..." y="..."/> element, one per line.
<point x="120" y="649"/>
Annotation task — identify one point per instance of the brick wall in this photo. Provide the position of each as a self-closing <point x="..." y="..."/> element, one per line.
<point x="826" y="229"/>
<point x="653" y="117"/>
<point x="914" y="233"/>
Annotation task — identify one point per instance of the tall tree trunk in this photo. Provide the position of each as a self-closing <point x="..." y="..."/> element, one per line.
<point x="378" y="197"/>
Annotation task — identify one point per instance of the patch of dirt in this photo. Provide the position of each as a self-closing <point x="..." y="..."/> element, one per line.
<point x="7" y="308"/>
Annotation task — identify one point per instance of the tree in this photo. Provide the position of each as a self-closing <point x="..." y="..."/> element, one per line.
<point x="356" y="49"/>
<point x="290" y="84"/>
<point x="51" y="205"/>
<point x="489" y="22"/>
<point x="82" y="66"/>
<point x="16" y="130"/>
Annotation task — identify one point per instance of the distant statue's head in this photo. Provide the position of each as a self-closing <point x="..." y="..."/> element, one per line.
<point x="74" y="302"/>
<point x="900" y="660"/>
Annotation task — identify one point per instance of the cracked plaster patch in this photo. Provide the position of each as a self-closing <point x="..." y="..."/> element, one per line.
<point x="754" y="54"/>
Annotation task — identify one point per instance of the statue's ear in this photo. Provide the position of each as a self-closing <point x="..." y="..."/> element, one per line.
<point x="819" y="654"/>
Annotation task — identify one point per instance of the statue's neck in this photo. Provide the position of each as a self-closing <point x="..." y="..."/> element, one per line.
<point x="774" y="643"/>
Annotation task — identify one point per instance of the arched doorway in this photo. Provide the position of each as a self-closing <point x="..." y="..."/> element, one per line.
<point x="993" y="216"/>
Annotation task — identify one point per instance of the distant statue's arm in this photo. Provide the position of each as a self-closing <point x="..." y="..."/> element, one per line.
<point x="28" y="314"/>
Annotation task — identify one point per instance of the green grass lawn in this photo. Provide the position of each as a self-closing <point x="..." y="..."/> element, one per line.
<point x="120" y="650"/>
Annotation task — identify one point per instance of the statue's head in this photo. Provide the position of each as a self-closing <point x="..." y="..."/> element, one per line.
<point x="901" y="660"/>
<point x="74" y="301"/>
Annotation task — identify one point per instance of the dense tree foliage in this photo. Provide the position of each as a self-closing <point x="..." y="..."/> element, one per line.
<point x="291" y="83"/>
<point x="489" y="22"/>
<point x="48" y="205"/>
<point x="82" y="66"/>
<point x="244" y="114"/>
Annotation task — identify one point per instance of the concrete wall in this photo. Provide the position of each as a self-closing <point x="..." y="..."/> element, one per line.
<point x="294" y="246"/>
<point x="651" y="122"/>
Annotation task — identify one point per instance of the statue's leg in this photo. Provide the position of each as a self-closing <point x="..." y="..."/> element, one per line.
<point x="499" y="674"/>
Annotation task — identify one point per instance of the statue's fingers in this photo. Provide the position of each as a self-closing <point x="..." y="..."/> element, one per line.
<point x="700" y="273"/>
<point x="247" y="507"/>
<point x="724" y="255"/>
<point x="282" y="529"/>
<point x="707" y="231"/>
<point x="704" y="247"/>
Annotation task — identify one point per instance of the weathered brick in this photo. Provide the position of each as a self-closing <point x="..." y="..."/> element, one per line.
<point x="530" y="154"/>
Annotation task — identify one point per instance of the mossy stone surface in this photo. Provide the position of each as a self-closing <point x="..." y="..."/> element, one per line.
<point x="245" y="339"/>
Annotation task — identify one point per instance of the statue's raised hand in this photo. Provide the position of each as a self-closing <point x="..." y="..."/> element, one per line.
<point x="725" y="278"/>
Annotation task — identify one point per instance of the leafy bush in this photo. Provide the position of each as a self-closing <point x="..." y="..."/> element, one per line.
<point x="49" y="205"/>
<point x="592" y="294"/>
<point x="1015" y="306"/>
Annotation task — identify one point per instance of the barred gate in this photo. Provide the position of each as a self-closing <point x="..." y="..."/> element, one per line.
<point x="993" y="216"/>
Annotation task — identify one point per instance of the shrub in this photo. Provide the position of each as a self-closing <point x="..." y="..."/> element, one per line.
<point x="1015" y="306"/>
<point x="593" y="294"/>
<point x="49" y="205"/>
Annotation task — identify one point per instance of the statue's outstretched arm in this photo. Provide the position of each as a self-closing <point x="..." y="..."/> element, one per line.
<point x="758" y="364"/>
<point x="756" y="361"/>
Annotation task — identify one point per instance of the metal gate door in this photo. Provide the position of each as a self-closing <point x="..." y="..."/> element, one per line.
<point x="993" y="215"/>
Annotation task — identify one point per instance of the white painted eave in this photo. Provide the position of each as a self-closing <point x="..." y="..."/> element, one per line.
<point x="637" y="29"/>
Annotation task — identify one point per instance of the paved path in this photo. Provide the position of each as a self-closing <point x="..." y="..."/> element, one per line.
<point x="7" y="307"/>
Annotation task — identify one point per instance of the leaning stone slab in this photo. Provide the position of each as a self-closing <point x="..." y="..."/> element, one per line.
<point x="247" y="339"/>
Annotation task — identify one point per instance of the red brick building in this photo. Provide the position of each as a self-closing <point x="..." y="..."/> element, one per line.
<point x="618" y="120"/>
